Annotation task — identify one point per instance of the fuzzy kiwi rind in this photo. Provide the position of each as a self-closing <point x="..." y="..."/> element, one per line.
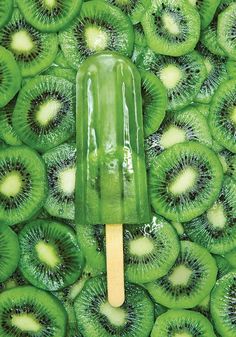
<point x="49" y="16"/>
<point x="184" y="181"/>
<point x="43" y="312"/>
<point x="168" y="27"/>
<point x="96" y="317"/>
<point x="51" y="258"/>
<point x="23" y="184"/>
<point x="97" y="21"/>
<point x="34" y="51"/>
<point x="189" y="281"/>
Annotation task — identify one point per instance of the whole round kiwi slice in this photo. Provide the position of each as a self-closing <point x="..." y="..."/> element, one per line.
<point x="182" y="76"/>
<point x="154" y="97"/>
<point x="50" y="256"/>
<point x="178" y="127"/>
<point x="34" y="51"/>
<point x="7" y="133"/>
<point x="23" y="186"/>
<point x="61" y="166"/>
<point x="189" y="281"/>
<point x="223" y="305"/>
<point x="216" y="74"/>
<point x="226" y="30"/>
<point x="222" y="118"/>
<point x="206" y="9"/>
<point x="44" y="113"/>
<point x="49" y="15"/>
<point x="183" y="323"/>
<point x="150" y="250"/>
<point x="216" y="228"/>
<point x="96" y="317"/>
<point x="10" y="77"/>
<point x="100" y="26"/>
<point x="184" y="181"/>
<point x="6" y="9"/>
<point x="9" y="252"/>
<point x="28" y="311"/>
<point x="168" y="27"/>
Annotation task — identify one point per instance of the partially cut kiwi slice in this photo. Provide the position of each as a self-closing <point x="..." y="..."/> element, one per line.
<point x="96" y="317"/>
<point x="49" y="15"/>
<point x="226" y="30"/>
<point x="7" y="133"/>
<point x="23" y="186"/>
<point x="28" y="311"/>
<point x="216" y="229"/>
<point x="33" y="51"/>
<point x="184" y="181"/>
<point x="206" y="9"/>
<point x="133" y="8"/>
<point x="168" y="27"/>
<point x="58" y="71"/>
<point x="9" y="252"/>
<point x="154" y="98"/>
<point x="15" y="280"/>
<point x="216" y="67"/>
<point x="222" y="118"/>
<point x="189" y="281"/>
<point x="223" y="265"/>
<point x="44" y="115"/>
<point x="6" y="9"/>
<point x="178" y="127"/>
<point x="61" y="167"/>
<point x="182" y="323"/>
<point x="182" y="76"/>
<point x="100" y="26"/>
<point x="50" y="256"/>
<point x="10" y="77"/>
<point x="223" y="303"/>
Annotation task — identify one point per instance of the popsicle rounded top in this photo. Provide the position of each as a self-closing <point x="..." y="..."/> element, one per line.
<point x="111" y="184"/>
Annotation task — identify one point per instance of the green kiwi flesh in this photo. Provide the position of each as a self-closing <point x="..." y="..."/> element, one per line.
<point x="189" y="281"/>
<point x="184" y="181"/>
<point x="6" y="9"/>
<point x="50" y="256"/>
<point x="226" y="30"/>
<point x="23" y="184"/>
<point x="206" y="9"/>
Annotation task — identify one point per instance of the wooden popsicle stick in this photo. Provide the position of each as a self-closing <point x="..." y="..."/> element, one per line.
<point x="115" y="265"/>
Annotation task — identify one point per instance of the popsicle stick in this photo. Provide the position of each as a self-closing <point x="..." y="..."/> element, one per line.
<point x="115" y="265"/>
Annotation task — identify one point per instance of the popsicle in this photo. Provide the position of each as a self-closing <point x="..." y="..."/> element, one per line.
<point x="111" y="184"/>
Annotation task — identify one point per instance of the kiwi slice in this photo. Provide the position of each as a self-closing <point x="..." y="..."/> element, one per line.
<point x="49" y="15"/>
<point x="150" y="250"/>
<point x="139" y="35"/>
<point x="182" y="76"/>
<point x="182" y="323"/>
<point x="222" y="118"/>
<point x="10" y="77"/>
<point x="23" y="186"/>
<point x="33" y="51"/>
<point x="61" y="166"/>
<point x="66" y="73"/>
<point x="231" y="171"/>
<point x="6" y="9"/>
<point x="209" y="35"/>
<point x="7" y="133"/>
<point x="231" y="257"/>
<point x="223" y="305"/>
<point x="204" y="307"/>
<point x="50" y="256"/>
<point x="154" y="97"/>
<point x="206" y="9"/>
<point x="184" y="181"/>
<point x="44" y="113"/>
<point x="216" y="74"/>
<point x="15" y="280"/>
<point x="168" y="27"/>
<point x="96" y="317"/>
<point x="61" y="61"/>
<point x="28" y="311"/>
<point x="133" y="8"/>
<point x="100" y="26"/>
<point x="178" y="127"/>
<point x="223" y="265"/>
<point x="204" y="109"/>
<point x="9" y="252"/>
<point x="226" y="30"/>
<point x="216" y="228"/>
<point x="189" y="281"/>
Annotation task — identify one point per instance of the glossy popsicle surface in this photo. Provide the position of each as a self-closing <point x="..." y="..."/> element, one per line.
<point x="111" y="185"/>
